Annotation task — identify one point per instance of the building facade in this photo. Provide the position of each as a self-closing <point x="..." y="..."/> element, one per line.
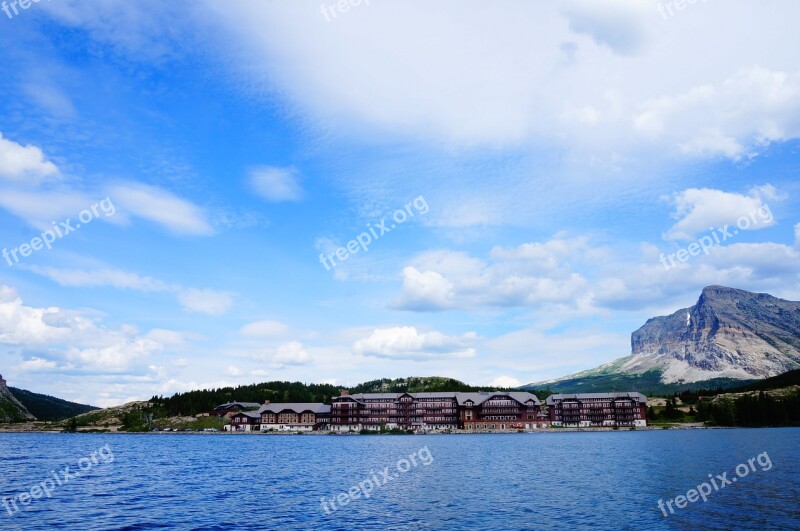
<point x="243" y="421"/>
<point x="434" y="411"/>
<point x="498" y="411"/>
<point x="444" y="411"/>
<point x="409" y="411"/>
<point x="585" y="410"/>
<point x="294" y="417"/>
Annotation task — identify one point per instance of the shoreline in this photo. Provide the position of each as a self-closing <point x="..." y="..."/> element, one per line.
<point x="350" y="434"/>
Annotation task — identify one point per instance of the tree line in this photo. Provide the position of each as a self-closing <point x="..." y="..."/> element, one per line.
<point x="194" y="402"/>
<point x="752" y="410"/>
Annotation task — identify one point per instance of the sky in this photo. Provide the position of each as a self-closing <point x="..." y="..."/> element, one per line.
<point x="204" y="194"/>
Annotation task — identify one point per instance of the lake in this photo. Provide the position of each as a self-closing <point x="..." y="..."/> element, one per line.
<point x="590" y="480"/>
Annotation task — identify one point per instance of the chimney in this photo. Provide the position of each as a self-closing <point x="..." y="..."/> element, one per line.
<point x="345" y="392"/>
<point x="266" y="402"/>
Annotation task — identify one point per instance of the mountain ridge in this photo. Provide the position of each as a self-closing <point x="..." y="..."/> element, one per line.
<point x="728" y="335"/>
<point x="20" y="405"/>
<point x="11" y="409"/>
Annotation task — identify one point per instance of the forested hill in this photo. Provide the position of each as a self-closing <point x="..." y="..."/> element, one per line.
<point x="46" y="407"/>
<point x="771" y="402"/>
<point x="193" y="402"/>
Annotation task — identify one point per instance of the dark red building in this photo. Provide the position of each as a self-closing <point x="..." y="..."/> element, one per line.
<point x="585" y="410"/>
<point x="434" y="411"/>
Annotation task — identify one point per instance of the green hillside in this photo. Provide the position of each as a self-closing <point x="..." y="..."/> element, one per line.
<point x="45" y="407"/>
<point x="10" y="412"/>
<point x="771" y="402"/>
<point x="648" y="383"/>
<point x="416" y="384"/>
<point x="776" y="382"/>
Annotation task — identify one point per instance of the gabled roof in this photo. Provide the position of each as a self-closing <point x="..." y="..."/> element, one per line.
<point x="243" y="405"/>
<point x="481" y="397"/>
<point x="358" y="397"/>
<point x="296" y="407"/>
<point x="249" y="414"/>
<point x="443" y="394"/>
<point x="477" y="398"/>
<point x="638" y="397"/>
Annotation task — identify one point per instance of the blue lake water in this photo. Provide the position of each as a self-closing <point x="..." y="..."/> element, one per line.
<point x="610" y="480"/>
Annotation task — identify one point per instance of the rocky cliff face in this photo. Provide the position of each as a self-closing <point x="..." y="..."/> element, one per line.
<point x="11" y="410"/>
<point x="729" y="333"/>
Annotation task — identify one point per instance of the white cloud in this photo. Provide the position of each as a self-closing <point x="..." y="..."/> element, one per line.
<point x="405" y="342"/>
<point x="557" y="56"/>
<point x="618" y="24"/>
<point x="760" y="267"/>
<point x="27" y="166"/>
<point x="572" y="274"/>
<point x="211" y="302"/>
<point x="118" y="356"/>
<point x="162" y="207"/>
<point x="533" y="274"/>
<point x="36" y="364"/>
<point x="427" y="290"/>
<point x="24" y="164"/>
<point x="100" y="277"/>
<point x="172" y="338"/>
<point x="735" y="118"/>
<point x="700" y="210"/>
<point x="206" y="301"/>
<point x="292" y="353"/>
<point x="505" y="381"/>
<point x="264" y="329"/>
<point x="70" y="336"/>
<point x="276" y="184"/>
<point x="41" y="208"/>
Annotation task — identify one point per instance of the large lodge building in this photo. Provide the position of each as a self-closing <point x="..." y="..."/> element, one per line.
<point x="434" y="411"/>
<point x="586" y="410"/>
<point x="424" y="412"/>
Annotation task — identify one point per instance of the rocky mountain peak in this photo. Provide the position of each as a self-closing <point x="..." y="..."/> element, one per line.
<point x="729" y="333"/>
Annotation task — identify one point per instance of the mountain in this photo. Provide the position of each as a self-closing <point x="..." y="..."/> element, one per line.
<point x="11" y="409"/>
<point x="728" y="337"/>
<point x="17" y="405"/>
<point x="45" y="407"/>
<point x="729" y="333"/>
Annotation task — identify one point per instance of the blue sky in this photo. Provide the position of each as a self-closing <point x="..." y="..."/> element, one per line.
<point x="559" y="150"/>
